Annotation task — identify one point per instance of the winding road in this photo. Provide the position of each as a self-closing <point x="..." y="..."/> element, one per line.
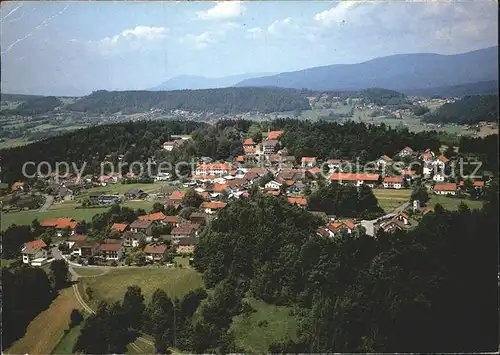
<point x="74" y="278"/>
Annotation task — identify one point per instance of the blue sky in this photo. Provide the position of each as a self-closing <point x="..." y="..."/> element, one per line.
<point x="73" y="48"/>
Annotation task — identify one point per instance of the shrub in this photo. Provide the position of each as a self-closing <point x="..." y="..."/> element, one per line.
<point x="75" y="318"/>
<point x="90" y="292"/>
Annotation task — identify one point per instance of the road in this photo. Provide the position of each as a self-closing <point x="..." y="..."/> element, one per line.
<point x="48" y="202"/>
<point x="370" y="225"/>
<point x="74" y="277"/>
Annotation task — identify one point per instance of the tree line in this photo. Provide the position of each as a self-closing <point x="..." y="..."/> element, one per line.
<point x="225" y="100"/>
<point x="350" y="140"/>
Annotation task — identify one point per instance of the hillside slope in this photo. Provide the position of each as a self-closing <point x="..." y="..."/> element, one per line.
<point x="193" y="82"/>
<point x="401" y="72"/>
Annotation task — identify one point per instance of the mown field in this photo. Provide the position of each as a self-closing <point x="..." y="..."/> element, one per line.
<point x="65" y="345"/>
<point x="112" y="286"/>
<point x="389" y="199"/>
<point x="452" y="203"/>
<point x="47" y="329"/>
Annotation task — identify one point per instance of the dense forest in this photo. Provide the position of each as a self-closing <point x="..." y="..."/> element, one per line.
<point x="355" y="293"/>
<point x="136" y="141"/>
<point x="350" y="140"/>
<point x="345" y="200"/>
<point x="485" y="149"/>
<point x="227" y="100"/>
<point x="468" y="110"/>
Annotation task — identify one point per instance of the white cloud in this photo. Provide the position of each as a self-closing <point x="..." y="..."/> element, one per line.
<point x="255" y="32"/>
<point x="222" y="10"/>
<point x="135" y="39"/>
<point x="336" y="14"/>
<point x="280" y="27"/>
<point x="200" y="41"/>
<point x="146" y="33"/>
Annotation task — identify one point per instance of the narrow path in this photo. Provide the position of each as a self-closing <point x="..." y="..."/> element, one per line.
<point x="48" y="202"/>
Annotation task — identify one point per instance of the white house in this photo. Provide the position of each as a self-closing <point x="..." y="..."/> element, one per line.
<point x="393" y="182"/>
<point x="438" y="177"/>
<point x="162" y="177"/>
<point x="213" y="169"/>
<point x="111" y="251"/>
<point x="383" y="161"/>
<point x="273" y="185"/>
<point x="445" y="189"/>
<point x="440" y="162"/>
<point x="405" y="152"/>
<point x="34" y="250"/>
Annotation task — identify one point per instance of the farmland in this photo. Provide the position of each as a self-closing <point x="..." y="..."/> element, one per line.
<point x="112" y="286"/>
<point x="46" y="330"/>
<point x="390" y="199"/>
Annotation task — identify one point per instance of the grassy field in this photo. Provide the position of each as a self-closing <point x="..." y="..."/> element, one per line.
<point x="65" y="346"/>
<point x="120" y="189"/>
<point x="112" y="286"/>
<point x="66" y="209"/>
<point x="452" y="203"/>
<point x="254" y="336"/>
<point x="47" y="329"/>
<point x="182" y="261"/>
<point x="144" y="348"/>
<point x="389" y="199"/>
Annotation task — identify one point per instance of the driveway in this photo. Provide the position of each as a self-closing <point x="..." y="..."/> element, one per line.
<point x="48" y="202"/>
<point x="370" y="225"/>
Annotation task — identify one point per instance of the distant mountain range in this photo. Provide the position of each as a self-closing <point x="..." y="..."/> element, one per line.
<point x="193" y="82"/>
<point x="401" y="72"/>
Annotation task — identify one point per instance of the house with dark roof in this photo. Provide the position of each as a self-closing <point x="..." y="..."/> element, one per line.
<point x="111" y="251"/>
<point x="186" y="245"/>
<point x="132" y="239"/>
<point x="155" y="252"/>
<point x="142" y="226"/>
<point x="85" y="248"/>
<point x="136" y="194"/>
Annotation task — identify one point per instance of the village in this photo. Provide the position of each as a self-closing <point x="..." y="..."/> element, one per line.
<point x="267" y="166"/>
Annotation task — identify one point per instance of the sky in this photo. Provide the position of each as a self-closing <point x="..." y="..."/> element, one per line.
<point x="74" y="48"/>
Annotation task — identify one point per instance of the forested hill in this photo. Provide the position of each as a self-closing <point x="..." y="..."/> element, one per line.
<point x="137" y="141"/>
<point x="470" y="109"/>
<point x="226" y="100"/>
